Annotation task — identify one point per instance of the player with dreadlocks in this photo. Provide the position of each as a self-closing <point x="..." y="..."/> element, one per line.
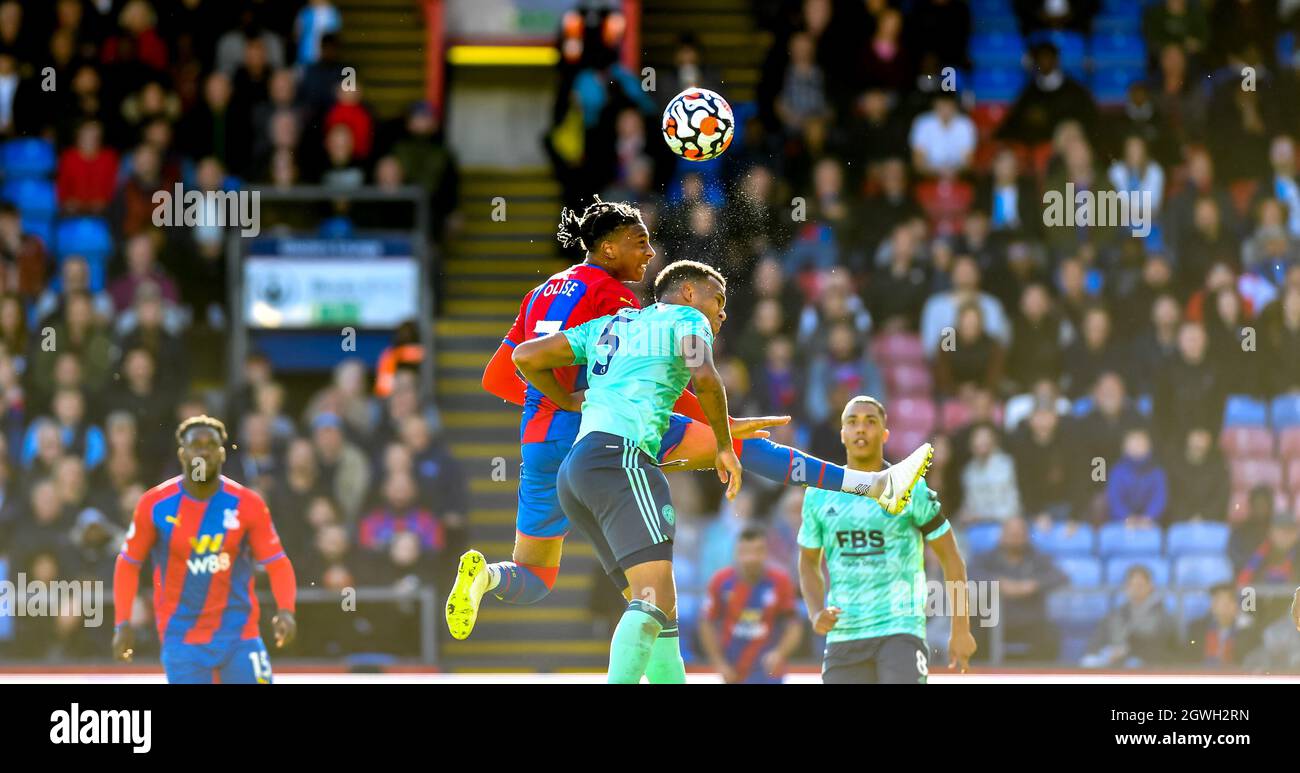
<point x="203" y="532"/>
<point x="617" y="247"/>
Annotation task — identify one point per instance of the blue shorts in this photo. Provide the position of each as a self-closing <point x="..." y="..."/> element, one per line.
<point x="539" y="513"/>
<point x="238" y="662"/>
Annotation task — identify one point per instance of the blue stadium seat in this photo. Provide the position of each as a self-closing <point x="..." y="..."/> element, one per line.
<point x="686" y="572"/>
<point x="1116" y="539"/>
<point x="1202" y="571"/>
<point x="1077" y="613"/>
<point x="1245" y="411"/>
<point x="981" y="537"/>
<point x="1285" y="48"/>
<point x="1197" y="538"/>
<point x="996" y="49"/>
<point x="35" y="198"/>
<point x="1001" y="23"/>
<point x="1118" y="566"/>
<point x="997" y="85"/>
<point x="337" y="227"/>
<point x="1117" y="49"/>
<point x="1144" y="404"/>
<point x="1196" y="604"/>
<point x="1110" y="85"/>
<point x="90" y="238"/>
<point x="1083" y="571"/>
<point x="6" y="615"/>
<point x="1071" y="45"/>
<point x="1117" y="23"/>
<point x="1123" y="8"/>
<point x="991" y="8"/>
<point x="1082" y="406"/>
<point x="1286" y="411"/>
<point x="42" y="227"/>
<point x="1060" y="542"/>
<point x="27" y="157"/>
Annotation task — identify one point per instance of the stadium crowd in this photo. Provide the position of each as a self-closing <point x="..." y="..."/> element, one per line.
<point x="1113" y="407"/>
<point x="114" y="329"/>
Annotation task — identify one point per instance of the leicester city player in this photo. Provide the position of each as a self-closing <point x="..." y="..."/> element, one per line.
<point x="874" y="615"/>
<point x="610" y="485"/>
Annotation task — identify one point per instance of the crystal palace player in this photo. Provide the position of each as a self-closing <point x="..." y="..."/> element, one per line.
<point x="618" y="250"/>
<point x="204" y="532"/>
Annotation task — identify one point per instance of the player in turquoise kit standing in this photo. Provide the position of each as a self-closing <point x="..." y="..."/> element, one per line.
<point x="610" y="485"/>
<point x="873" y="616"/>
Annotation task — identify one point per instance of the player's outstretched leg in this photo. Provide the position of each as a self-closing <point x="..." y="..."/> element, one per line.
<point x="691" y="444"/>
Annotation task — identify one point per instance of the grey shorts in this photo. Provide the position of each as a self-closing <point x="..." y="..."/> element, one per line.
<point x="613" y="493"/>
<point x="896" y="659"/>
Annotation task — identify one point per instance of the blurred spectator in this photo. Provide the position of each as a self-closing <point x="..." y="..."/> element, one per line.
<point x="317" y="19"/>
<point x="398" y="511"/>
<point x="1024" y="578"/>
<point x="885" y="60"/>
<point x="845" y="366"/>
<point x="342" y="463"/>
<point x="138" y="394"/>
<point x="750" y="631"/>
<point x="1043" y="466"/>
<point x="898" y="293"/>
<point x="1180" y="23"/>
<point x="78" y="333"/>
<point x="1197" y="480"/>
<point x="1036" y="344"/>
<point x="942" y="140"/>
<point x="439" y="477"/>
<point x="254" y="457"/>
<point x="974" y="358"/>
<point x="1274" y="561"/>
<point x="1189" y="390"/>
<point x="1009" y="197"/>
<point x="803" y="92"/>
<point x="1138" y="633"/>
<point x="231" y="46"/>
<point x="1092" y="354"/>
<point x="87" y="173"/>
<point x="77" y="435"/>
<point x="1049" y="98"/>
<point x="1224" y="636"/>
<point x="689" y="67"/>
<point x="1279" y="332"/>
<point x="1136" y="172"/>
<point x="988" y="481"/>
<point x="427" y="161"/>
<point x="939" y="316"/>
<point x="1137" y="489"/>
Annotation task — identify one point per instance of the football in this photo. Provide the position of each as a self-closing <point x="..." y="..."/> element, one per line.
<point x="698" y="124"/>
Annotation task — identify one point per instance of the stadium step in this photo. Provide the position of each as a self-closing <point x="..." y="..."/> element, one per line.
<point x="385" y="41"/>
<point x="730" y="39"/>
<point x="487" y="268"/>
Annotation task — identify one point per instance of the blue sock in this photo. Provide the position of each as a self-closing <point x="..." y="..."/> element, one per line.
<point x="789" y="466"/>
<point x="518" y="585"/>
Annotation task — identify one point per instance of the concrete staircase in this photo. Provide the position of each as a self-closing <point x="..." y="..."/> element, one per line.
<point x="384" y="40"/>
<point x="731" y="41"/>
<point x="489" y="267"/>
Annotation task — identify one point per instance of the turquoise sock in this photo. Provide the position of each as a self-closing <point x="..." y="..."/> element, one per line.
<point x="634" y="637"/>
<point x="666" y="665"/>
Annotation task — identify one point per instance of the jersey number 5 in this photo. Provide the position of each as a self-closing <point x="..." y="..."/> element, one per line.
<point x="608" y="341"/>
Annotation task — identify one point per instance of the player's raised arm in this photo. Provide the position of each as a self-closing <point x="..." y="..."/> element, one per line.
<point x="713" y="400"/>
<point x="538" y="358"/>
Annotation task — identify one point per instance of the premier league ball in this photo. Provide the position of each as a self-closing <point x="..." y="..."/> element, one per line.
<point x="698" y="124"/>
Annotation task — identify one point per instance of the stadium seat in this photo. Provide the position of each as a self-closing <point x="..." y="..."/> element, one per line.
<point x="1197" y="538"/>
<point x="35" y="198"/>
<point x="90" y="238"/>
<point x="998" y="85"/>
<point x="909" y="380"/>
<point x="1083" y="571"/>
<point x="7" y="615"/>
<point x="1117" y="539"/>
<point x="954" y="415"/>
<point x="1117" y="567"/>
<point x="1246" y="442"/>
<point x="1072" y="48"/>
<point x="1076" y="613"/>
<point x="42" y="227"/>
<point x="1117" y="24"/>
<point x="1286" y="411"/>
<point x="898" y="348"/>
<point x="1293" y="475"/>
<point x="1239" y="505"/>
<point x="1081" y="407"/>
<point x="1249" y="473"/>
<point x="1244" y="411"/>
<point x="1288" y="442"/>
<point x="27" y="157"/>
<point x="991" y="8"/>
<point x="1062" y="542"/>
<point x="1117" y="49"/>
<point x="945" y="203"/>
<point x="903" y="442"/>
<point x="996" y="49"/>
<point x="1144" y="405"/>
<point x="1005" y="24"/>
<point x="1195" y="603"/>
<point x="1202" y="571"/>
<point x="1110" y="84"/>
<point x="915" y="413"/>
<point x="981" y="537"/>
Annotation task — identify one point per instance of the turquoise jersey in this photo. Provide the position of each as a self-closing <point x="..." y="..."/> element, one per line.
<point x="876" y="560"/>
<point x="636" y="369"/>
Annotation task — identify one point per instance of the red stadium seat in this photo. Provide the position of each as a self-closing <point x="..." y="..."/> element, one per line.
<point x="1293" y="475"/>
<point x="912" y="414"/>
<point x="954" y="415"/>
<point x="1288" y="443"/>
<point x="988" y="118"/>
<point x="909" y="380"/>
<point x="945" y="203"/>
<point x="1249" y="473"/>
<point x="1246" y="442"/>
<point x="897" y="349"/>
<point x="901" y="443"/>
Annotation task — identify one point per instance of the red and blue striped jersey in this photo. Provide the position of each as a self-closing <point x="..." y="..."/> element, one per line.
<point x="578" y="294"/>
<point x="751" y="617"/>
<point x="203" y="554"/>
